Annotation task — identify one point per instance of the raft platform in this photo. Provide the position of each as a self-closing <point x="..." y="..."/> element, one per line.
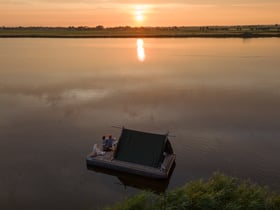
<point x="107" y="161"/>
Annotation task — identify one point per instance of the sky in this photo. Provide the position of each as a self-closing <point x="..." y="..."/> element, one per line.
<point x="111" y="13"/>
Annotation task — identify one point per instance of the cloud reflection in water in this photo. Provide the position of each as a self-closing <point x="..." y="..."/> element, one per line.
<point x="56" y="99"/>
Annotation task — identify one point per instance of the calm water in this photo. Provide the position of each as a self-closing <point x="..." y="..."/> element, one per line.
<point x="219" y="97"/>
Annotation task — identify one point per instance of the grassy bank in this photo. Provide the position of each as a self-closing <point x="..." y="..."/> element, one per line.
<point x="143" y="32"/>
<point x="219" y="192"/>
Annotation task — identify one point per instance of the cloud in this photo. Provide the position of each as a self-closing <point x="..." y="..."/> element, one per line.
<point x="191" y="2"/>
<point x="115" y="13"/>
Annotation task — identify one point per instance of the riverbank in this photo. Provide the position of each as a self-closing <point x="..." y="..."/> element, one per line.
<point x="256" y="31"/>
<point x="219" y="192"/>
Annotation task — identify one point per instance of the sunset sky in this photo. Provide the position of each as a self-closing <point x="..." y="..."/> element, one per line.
<point x="137" y="13"/>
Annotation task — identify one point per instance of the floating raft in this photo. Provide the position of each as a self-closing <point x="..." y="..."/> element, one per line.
<point x="139" y="153"/>
<point x="139" y="182"/>
<point x="107" y="161"/>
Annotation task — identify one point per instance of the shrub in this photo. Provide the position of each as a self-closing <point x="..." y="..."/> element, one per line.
<point x="218" y="192"/>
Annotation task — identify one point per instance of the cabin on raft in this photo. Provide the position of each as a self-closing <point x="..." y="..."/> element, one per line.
<point x="140" y="153"/>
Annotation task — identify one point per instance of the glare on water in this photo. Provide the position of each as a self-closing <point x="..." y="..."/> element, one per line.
<point x="140" y="50"/>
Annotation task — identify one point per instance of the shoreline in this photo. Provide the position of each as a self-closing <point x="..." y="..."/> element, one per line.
<point x="256" y="31"/>
<point x="144" y="36"/>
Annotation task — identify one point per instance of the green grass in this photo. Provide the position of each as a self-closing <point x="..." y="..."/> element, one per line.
<point x="123" y="32"/>
<point x="219" y="192"/>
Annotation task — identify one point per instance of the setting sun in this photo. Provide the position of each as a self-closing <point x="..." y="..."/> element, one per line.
<point x="139" y="17"/>
<point x="139" y="13"/>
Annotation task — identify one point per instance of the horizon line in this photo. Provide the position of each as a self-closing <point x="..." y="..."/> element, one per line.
<point x="119" y="26"/>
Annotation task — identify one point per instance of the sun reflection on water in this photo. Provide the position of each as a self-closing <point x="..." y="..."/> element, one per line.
<point x="140" y="50"/>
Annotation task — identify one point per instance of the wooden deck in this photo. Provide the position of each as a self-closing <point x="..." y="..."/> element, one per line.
<point x="107" y="161"/>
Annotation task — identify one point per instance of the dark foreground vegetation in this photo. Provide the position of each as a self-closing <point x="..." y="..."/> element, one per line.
<point x="220" y="192"/>
<point x="132" y="32"/>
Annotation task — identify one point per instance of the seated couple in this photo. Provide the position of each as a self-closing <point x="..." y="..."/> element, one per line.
<point x="109" y="143"/>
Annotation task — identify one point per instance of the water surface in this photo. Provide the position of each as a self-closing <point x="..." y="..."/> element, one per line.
<point x="219" y="97"/>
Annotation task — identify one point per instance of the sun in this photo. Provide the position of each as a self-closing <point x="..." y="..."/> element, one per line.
<point x="139" y="17"/>
<point x="139" y="13"/>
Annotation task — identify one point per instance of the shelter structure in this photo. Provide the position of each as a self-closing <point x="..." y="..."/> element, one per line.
<point x="141" y="153"/>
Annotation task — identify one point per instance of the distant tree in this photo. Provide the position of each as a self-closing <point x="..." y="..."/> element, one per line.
<point x="100" y="27"/>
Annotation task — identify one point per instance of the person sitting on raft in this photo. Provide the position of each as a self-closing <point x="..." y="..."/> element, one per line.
<point x="108" y="143"/>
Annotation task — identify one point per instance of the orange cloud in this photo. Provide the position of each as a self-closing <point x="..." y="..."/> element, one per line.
<point x="116" y="13"/>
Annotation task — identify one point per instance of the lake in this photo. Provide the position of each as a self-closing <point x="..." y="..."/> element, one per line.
<point x="219" y="97"/>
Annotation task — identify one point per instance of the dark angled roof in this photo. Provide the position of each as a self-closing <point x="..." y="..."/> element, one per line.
<point x="142" y="148"/>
